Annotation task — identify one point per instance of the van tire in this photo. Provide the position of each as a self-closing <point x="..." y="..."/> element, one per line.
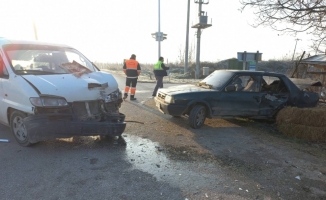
<point x="18" y="128"/>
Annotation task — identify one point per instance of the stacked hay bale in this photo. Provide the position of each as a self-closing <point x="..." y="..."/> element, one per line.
<point x="303" y="123"/>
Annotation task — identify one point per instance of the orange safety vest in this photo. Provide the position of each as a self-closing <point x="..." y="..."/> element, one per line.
<point x="131" y="64"/>
<point x="131" y="68"/>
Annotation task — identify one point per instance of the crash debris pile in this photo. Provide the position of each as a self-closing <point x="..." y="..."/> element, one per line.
<point x="76" y="69"/>
<point x="303" y="123"/>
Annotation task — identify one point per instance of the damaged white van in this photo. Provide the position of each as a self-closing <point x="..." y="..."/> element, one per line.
<point x="53" y="91"/>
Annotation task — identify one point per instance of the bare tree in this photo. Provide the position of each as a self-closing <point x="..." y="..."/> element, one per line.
<point x="181" y="57"/>
<point x="191" y="54"/>
<point x="292" y="16"/>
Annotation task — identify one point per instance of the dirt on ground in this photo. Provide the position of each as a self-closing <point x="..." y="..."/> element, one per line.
<point x="240" y="158"/>
<point x="254" y="155"/>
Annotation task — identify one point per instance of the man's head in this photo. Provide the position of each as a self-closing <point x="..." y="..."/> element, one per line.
<point x="133" y="56"/>
<point x="161" y="59"/>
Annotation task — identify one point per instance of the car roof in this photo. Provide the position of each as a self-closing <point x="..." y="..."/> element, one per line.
<point x="4" y="41"/>
<point x="262" y="73"/>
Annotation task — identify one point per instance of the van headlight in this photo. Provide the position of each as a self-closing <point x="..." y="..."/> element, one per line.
<point x="48" y="101"/>
<point x="114" y="96"/>
<point x="169" y="99"/>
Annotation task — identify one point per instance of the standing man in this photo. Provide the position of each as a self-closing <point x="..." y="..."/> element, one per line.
<point x="132" y="69"/>
<point x="159" y="72"/>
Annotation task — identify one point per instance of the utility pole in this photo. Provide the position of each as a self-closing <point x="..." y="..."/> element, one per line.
<point x="187" y="39"/>
<point x="296" y="40"/>
<point x="202" y="24"/>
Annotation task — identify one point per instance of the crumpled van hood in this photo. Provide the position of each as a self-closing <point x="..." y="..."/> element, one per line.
<point x="74" y="88"/>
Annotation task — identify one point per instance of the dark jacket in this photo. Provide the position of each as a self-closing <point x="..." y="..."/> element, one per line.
<point x="160" y="69"/>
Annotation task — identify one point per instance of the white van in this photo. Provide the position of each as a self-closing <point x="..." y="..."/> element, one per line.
<point x="53" y="91"/>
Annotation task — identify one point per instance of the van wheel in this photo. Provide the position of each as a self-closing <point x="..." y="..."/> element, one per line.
<point x="18" y="128"/>
<point x="197" y="116"/>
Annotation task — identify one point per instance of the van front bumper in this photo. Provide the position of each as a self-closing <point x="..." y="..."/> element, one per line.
<point x="49" y="126"/>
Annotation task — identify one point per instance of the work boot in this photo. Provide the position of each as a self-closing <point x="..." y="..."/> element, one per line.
<point x="125" y="96"/>
<point x="132" y="97"/>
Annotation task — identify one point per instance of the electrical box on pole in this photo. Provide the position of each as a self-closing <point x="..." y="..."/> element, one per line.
<point x="202" y="24"/>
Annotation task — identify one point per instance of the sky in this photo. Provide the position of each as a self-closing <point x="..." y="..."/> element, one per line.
<point x="110" y="31"/>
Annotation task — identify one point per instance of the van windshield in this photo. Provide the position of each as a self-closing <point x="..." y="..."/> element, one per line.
<point x="45" y="59"/>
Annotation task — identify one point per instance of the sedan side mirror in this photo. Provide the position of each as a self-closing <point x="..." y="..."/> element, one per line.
<point x="230" y="88"/>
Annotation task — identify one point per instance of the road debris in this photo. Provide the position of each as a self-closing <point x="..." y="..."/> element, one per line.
<point x="159" y="148"/>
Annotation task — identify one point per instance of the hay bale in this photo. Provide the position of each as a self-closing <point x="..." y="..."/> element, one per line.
<point x="303" y="123"/>
<point x="309" y="133"/>
<point x="315" y="117"/>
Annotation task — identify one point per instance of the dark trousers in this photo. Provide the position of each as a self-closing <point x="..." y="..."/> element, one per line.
<point x="131" y="82"/>
<point x="131" y="85"/>
<point x="159" y="84"/>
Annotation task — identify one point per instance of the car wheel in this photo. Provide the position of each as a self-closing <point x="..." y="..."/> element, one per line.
<point x="197" y="116"/>
<point x="18" y="128"/>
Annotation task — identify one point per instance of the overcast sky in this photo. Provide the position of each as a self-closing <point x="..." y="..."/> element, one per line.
<point x="109" y="31"/>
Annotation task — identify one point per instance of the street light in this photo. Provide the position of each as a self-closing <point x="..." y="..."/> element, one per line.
<point x="187" y="39"/>
<point x="159" y="36"/>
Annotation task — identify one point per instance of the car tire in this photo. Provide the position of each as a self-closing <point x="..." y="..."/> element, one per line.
<point x="18" y="128"/>
<point x="197" y="116"/>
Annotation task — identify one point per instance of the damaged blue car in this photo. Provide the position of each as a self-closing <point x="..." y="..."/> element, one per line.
<point x="235" y="93"/>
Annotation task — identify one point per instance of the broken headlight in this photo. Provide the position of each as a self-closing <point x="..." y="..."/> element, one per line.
<point x="114" y="96"/>
<point x="50" y="101"/>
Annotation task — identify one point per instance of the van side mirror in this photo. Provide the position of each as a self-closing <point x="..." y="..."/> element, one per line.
<point x="230" y="88"/>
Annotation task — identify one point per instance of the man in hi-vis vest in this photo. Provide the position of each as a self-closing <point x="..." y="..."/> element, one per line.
<point x="159" y="72"/>
<point x="132" y="69"/>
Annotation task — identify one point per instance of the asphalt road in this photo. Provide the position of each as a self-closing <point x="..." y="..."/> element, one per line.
<point x="165" y="159"/>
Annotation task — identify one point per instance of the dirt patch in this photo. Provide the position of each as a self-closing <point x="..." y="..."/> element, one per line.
<point x="255" y="154"/>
